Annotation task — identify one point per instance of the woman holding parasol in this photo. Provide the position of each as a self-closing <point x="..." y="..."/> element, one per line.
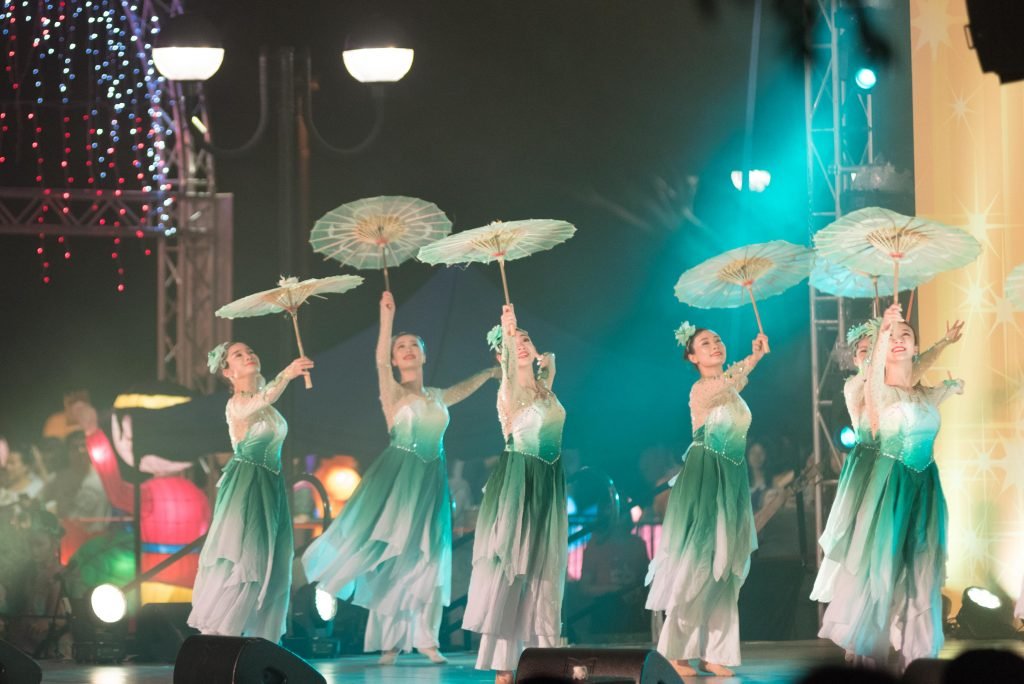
<point x="888" y="588"/>
<point x="391" y="546"/>
<point x="857" y="467"/>
<point x="245" y="568"/>
<point x="708" y="533"/>
<point x="520" y="550"/>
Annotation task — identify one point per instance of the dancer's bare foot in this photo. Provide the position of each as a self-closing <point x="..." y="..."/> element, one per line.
<point x="683" y="668"/>
<point x="433" y="655"/>
<point x="388" y="657"/>
<point x="504" y="677"/>
<point x="715" y="669"/>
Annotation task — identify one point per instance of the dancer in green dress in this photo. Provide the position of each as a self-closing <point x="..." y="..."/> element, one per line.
<point x="245" y="568"/>
<point x="708" y="533"/>
<point x="520" y="552"/>
<point x="888" y="588"/>
<point x="856" y="470"/>
<point x="390" y="549"/>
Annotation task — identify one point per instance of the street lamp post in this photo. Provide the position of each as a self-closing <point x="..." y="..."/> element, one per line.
<point x="189" y="50"/>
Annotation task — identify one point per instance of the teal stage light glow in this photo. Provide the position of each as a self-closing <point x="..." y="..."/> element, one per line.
<point x="847" y="437"/>
<point x="865" y="78"/>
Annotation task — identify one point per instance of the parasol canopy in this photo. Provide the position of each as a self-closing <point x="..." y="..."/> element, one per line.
<point x="499" y="241"/>
<point x="745" y="274"/>
<point x="287" y="297"/>
<point x="877" y="240"/>
<point x="378" y="232"/>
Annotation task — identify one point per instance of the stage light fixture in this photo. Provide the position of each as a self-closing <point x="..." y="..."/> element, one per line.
<point x="326" y="605"/>
<point x="758" y="180"/>
<point x="846" y="437"/>
<point x="188" y="48"/>
<point x="108" y="603"/>
<point x="311" y="632"/>
<point x="99" y="628"/>
<point x="984" y="615"/>
<point x="865" y="78"/>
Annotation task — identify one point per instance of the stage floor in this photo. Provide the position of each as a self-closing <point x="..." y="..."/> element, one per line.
<point x="767" y="662"/>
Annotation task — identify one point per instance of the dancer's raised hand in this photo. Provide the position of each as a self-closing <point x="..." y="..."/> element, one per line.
<point x="509" y="325"/>
<point x="894" y="314"/>
<point x="954" y="332"/>
<point x="299" y="366"/>
<point x="760" y="345"/>
<point x="544" y="360"/>
<point x="387" y="306"/>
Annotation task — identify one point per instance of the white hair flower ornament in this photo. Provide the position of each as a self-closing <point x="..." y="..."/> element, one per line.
<point x="216" y="359"/>
<point x="684" y="332"/>
<point x="868" y="328"/>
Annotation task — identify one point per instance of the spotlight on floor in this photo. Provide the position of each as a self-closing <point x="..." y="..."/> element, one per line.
<point x="98" y="626"/>
<point x="758" y="180"/>
<point x="312" y="624"/>
<point x="984" y="615"/>
<point x="108" y="603"/>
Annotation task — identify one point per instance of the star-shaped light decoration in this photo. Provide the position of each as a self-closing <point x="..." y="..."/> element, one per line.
<point x="933" y="23"/>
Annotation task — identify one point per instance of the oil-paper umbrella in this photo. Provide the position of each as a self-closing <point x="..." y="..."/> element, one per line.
<point x="498" y="241"/>
<point x="841" y="281"/>
<point x="877" y="240"/>
<point x="378" y="232"/>
<point x="287" y="298"/>
<point x="1014" y="288"/>
<point x="745" y="274"/>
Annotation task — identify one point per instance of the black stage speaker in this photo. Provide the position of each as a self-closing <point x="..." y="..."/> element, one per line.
<point x="161" y="629"/>
<point x="636" y="665"/>
<point x="16" y="667"/>
<point x="240" y="660"/>
<point x="990" y="666"/>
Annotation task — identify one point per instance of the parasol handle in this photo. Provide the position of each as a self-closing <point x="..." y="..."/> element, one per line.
<point x="757" y="314"/>
<point x="298" y="339"/>
<point x="384" y="260"/>
<point x="910" y="305"/>
<point x="896" y="281"/>
<point x="874" y="305"/>
<point x="504" y="280"/>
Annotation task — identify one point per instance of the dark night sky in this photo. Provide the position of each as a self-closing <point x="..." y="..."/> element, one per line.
<point x="511" y="110"/>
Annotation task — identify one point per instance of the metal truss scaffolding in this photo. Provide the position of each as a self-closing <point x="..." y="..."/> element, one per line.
<point x="190" y="221"/>
<point x="840" y="142"/>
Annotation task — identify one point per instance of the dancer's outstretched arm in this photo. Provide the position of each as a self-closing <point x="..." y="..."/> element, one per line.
<point x="509" y="389"/>
<point x="708" y="391"/>
<point x="928" y="358"/>
<point x="390" y="390"/>
<point x="874" y="387"/>
<point x="241" y="406"/>
<point x="462" y="390"/>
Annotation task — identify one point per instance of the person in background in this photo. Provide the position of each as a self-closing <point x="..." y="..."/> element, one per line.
<point x="19" y="477"/>
<point x="614" y="565"/>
